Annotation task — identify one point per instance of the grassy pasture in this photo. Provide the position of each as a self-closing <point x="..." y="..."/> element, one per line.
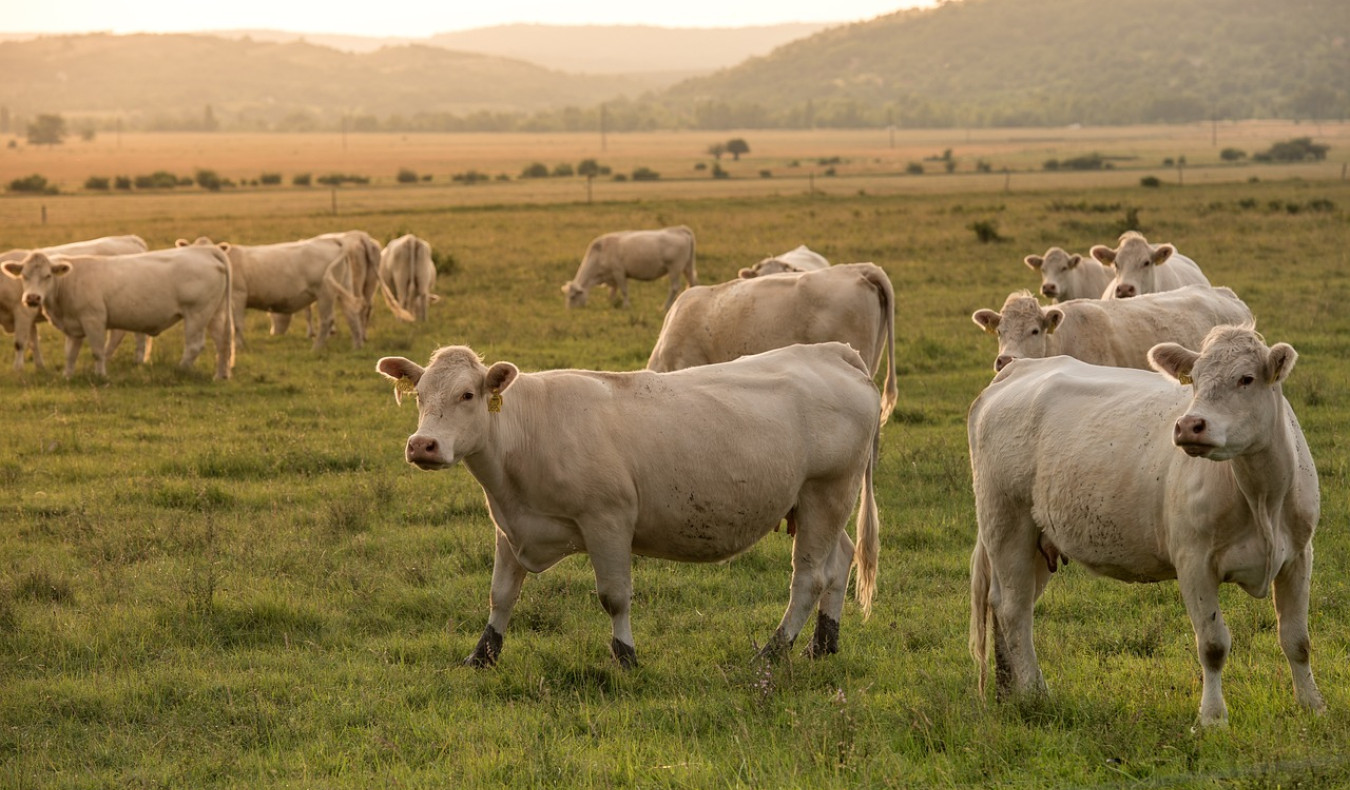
<point x="207" y="585"/>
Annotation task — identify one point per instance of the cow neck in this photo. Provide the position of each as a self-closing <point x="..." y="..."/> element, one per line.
<point x="506" y="436"/>
<point x="1265" y="478"/>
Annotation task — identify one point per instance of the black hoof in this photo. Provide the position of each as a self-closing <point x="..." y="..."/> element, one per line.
<point x="825" y="641"/>
<point x="777" y="647"/>
<point x="486" y="652"/>
<point x="626" y="655"/>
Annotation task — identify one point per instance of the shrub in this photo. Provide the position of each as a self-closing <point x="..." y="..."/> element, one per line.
<point x="270" y="179"/>
<point x="1092" y="161"/>
<point x="121" y="182"/>
<point x="645" y="174"/>
<point x="444" y="261"/>
<point x="1232" y="154"/>
<point x="1150" y="181"/>
<point x="700" y="165"/>
<point x="301" y="179"/>
<point x="766" y="174"/>
<point x="35" y="183"/>
<point x="97" y="182"/>
<point x="406" y="176"/>
<point x="620" y="177"/>
<point x="1295" y="150"/>
<point x="914" y="168"/>
<point x="1169" y="162"/>
<point x="209" y="180"/>
<point x="982" y="166"/>
<point x="338" y="179"/>
<point x="160" y="179"/>
<point x="986" y="230"/>
<point x="829" y="171"/>
<point x="718" y="172"/>
<point x="563" y="170"/>
<point x="470" y="177"/>
<point x="536" y="170"/>
<point x="1050" y="164"/>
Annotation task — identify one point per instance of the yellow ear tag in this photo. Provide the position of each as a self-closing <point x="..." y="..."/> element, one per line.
<point x="403" y="386"/>
<point x="495" y="401"/>
<point x="1185" y="379"/>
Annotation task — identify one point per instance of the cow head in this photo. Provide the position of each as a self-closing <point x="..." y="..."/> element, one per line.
<point x="457" y="399"/>
<point x="203" y="241"/>
<point x="1023" y="328"/>
<point x="1135" y="261"/>
<point x="1238" y="399"/>
<point x="38" y="274"/>
<point x="1053" y="267"/>
<point x="766" y="267"/>
<point x="576" y="295"/>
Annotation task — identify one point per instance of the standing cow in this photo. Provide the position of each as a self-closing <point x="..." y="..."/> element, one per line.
<point x="1115" y="332"/>
<point x="408" y="277"/>
<point x="615" y="258"/>
<point x="84" y="296"/>
<point x="1143" y="268"/>
<point x="694" y="466"/>
<point x="22" y="321"/>
<point x="852" y="303"/>
<point x="1201" y="475"/>
<point x="800" y="259"/>
<point x="1065" y="277"/>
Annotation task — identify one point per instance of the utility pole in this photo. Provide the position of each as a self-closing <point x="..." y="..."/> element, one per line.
<point x="602" y="127"/>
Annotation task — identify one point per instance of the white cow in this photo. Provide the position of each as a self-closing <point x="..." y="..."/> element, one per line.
<point x="408" y="277"/>
<point x="694" y="466"/>
<point x="1201" y="475"/>
<point x="148" y="292"/>
<point x="1143" y="268"/>
<point x="22" y="321"/>
<point x="852" y="303"/>
<point x="288" y="277"/>
<point x="363" y="258"/>
<point x="615" y="258"/>
<point x="1115" y="332"/>
<point x="800" y="259"/>
<point x="1065" y="277"/>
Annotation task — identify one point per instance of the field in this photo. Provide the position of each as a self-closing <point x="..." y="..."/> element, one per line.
<point x="243" y="584"/>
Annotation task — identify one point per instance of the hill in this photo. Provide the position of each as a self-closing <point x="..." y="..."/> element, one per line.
<point x="1045" y="62"/>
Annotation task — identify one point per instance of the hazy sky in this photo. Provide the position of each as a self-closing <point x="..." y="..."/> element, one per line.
<point x="417" y="19"/>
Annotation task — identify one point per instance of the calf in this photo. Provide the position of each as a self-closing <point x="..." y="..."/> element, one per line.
<point x="1065" y="277"/>
<point x="1143" y="268"/>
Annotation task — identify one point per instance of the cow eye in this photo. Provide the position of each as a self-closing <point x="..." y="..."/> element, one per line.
<point x="466" y="396"/>
<point x="1246" y="380"/>
<point x="1035" y="332"/>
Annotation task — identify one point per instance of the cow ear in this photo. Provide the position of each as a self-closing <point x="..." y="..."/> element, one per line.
<point x="224" y="246"/>
<point x="1034" y="261"/>
<point x="1103" y="254"/>
<point x="746" y="273"/>
<point x="1074" y="260"/>
<point x="60" y="268"/>
<point x="182" y="243"/>
<point x="567" y="287"/>
<point x="403" y="372"/>
<point x="1173" y="360"/>
<point x="1280" y="363"/>
<point x="1161" y="253"/>
<point x="1053" y="318"/>
<point x="987" y="320"/>
<point x="13" y="268"/>
<point x="500" y="376"/>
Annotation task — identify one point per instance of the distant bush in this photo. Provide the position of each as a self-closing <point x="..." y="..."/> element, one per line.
<point x="406" y="176"/>
<point x="97" y="182"/>
<point x="1232" y="154"/>
<point x="536" y="170"/>
<point x="338" y="179"/>
<point x="1169" y="162"/>
<point x="620" y="177"/>
<point x="645" y="174"/>
<point x="1295" y="150"/>
<point x="700" y="165"/>
<point x="718" y="172"/>
<point x="831" y="160"/>
<point x="35" y="184"/>
<point x="470" y="177"/>
<point x="444" y="261"/>
<point x="160" y="179"/>
<point x="1086" y="162"/>
<point x="121" y="182"/>
<point x="1150" y="181"/>
<point x="209" y="180"/>
<point x="301" y="179"/>
<point x="1050" y="164"/>
<point x="766" y="174"/>
<point x="503" y="177"/>
<point x="270" y="179"/>
<point x="986" y="230"/>
<point x="563" y="170"/>
<point x="829" y="171"/>
<point x="982" y="166"/>
<point x="914" y="168"/>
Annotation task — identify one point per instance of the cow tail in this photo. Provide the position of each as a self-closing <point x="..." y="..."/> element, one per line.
<point x="229" y="310"/>
<point x="390" y="299"/>
<point x="869" y="533"/>
<point x="691" y="275"/>
<point x="886" y="293"/>
<point x="980" y="579"/>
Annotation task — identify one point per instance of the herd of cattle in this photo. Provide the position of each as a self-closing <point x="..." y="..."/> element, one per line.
<point x="1136" y="426"/>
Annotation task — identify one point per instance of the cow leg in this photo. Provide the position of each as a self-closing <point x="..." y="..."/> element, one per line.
<point x="72" y="351"/>
<point x="326" y="318"/>
<point x="194" y="338"/>
<point x="508" y="575"/>
<point x="618" y="292"/>
<point x="1018" y="577"/>
<point x="144" y="344"/>
<point x="278" y="323"/>
<point x="223" y="339"/>
<point x="98" y="346"/>
<point x="1200" y="593"/>
<point x="674" y="290"/>
<point x="825" y="640"/>
<point x="821" y="515"/>
<point x="310" y="329"/>
<point x="613" y="563"/>
<point x="24" y="332"/>
<point x="1291" y="611"/>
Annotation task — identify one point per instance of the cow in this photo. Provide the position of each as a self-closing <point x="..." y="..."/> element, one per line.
<point x="1113" y="332"/>
<point x="363" y="258"/>
<point x="288" y="277"/>
<point x="615" y="258"/>
<point x="853" y="303"/>
<point x="1143" y="268"/>
<point x="1065" y="277"/>
<point x="408" y="277"/>
<point x="800" y="259"/>
<point x="21" y="321"/>
<point x="695" y="466"/>
<point x="1201" y="474"/>
<point x="148" y="292"/>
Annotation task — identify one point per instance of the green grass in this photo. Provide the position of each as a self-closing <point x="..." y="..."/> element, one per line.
<point x="243" y="584"/>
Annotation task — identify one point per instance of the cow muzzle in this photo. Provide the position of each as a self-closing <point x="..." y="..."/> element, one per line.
<point x="1125" y="291"/>
<point x="1191" y="434"/>
<point x="32" y="300"/>
<point x="424" y="452"/>
<point x="1049" y="290"/>
<point x="1002" y="362"/>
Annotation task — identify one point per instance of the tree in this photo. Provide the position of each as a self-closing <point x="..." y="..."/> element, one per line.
<point x="47" y="130"/>
<point x="736" y="147"/>
<point x="209" y="122"/>
<point x="717" y="149"/>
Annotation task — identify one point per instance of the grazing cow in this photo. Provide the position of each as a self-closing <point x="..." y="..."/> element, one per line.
<point x="1143" y="268"/>
<point x="852" y="303"/>
<point x="800" y="259"/>
<point x="1065" y="277"/>
<point x="408" y="277"/>
<point x="288" y="277"/>
<point x="694" y="466"/>
<point x="1235" y="500"/>
<point x="148" y="292"/>
<point x="363" y="258"/>
<point x="1114" y="332"/>
<point x="21" y="320"/>
<point x="615" y="258"/>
